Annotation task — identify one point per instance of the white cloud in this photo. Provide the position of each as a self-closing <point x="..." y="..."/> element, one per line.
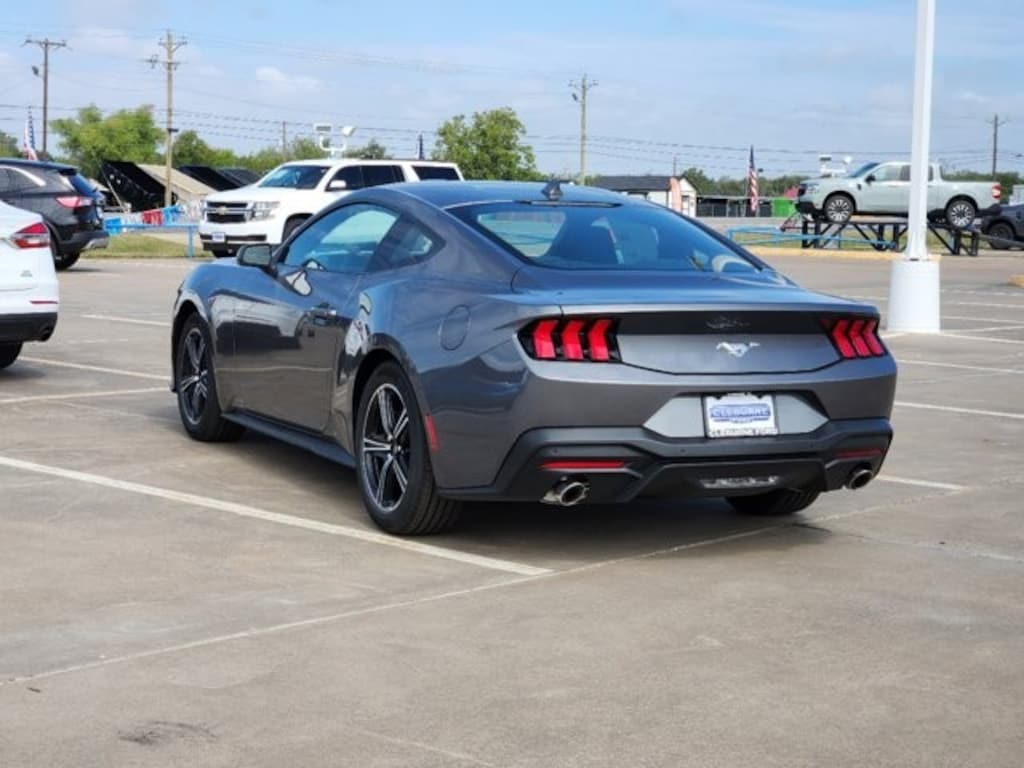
<point x="275" y="77"/>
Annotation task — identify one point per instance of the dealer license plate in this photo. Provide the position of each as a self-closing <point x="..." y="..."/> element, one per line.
<point x="740" y="415"/>
<point x="218" y="237"/>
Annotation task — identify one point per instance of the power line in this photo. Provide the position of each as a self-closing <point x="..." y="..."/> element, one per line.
<point x="46" y="44"/>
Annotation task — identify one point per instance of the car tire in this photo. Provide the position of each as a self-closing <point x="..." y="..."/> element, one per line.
<point x="8" y="354"/>
<point x="1004" y="235"/>
<point x="838" y="208"/>
<point x="961" y="213"/>
<point x="396" y="479"/>
<point x="291" y="225"/>
<point x="222" y="253"/>
<point x="196" y="386"/>
<point x="63" y="261"/>
<point x="784" y="501"/>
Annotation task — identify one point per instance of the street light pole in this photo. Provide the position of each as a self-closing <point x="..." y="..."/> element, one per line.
<point x="914" y="287"/>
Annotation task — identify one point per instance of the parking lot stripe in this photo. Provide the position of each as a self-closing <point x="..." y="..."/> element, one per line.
<point x="992" y="339"/>
<point x="984" y="304"/>
<point x="131" y="320"/>
<point x="959" y="366"/>
<point x="955" y="409"/>
<point x="243" y="510"/>
<point x="99" y="369"/>
<point x="79" y="395"/>
<point x="922" y="483"/>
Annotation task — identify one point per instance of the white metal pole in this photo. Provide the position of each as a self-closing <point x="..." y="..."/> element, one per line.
<point x="914" y="288"/>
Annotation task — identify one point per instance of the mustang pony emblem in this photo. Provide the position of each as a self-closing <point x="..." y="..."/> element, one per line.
<point x="738" y="349"/>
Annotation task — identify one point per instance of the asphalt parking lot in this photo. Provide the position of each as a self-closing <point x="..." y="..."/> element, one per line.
<point x="164" y="602"/>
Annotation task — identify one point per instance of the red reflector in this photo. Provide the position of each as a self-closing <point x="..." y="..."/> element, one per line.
<point x="572" y="347"/>
<point x="841" y="340"/>
<point x="581" y="465"/>
<point x="74" y="201"/>
<point x="33" y="236"/>
<point x="860" y="453"/>
<point x="860" y="346"/>
<point x="428" y="424"/>
<point x="543" y="343"/>
<point x="597" y="340"/>
<point x="997" y="191"/>
<point x="871" y="337"/>
<point x="44" y="301"/>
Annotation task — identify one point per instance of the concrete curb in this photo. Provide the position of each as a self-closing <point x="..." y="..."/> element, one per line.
<point x="1017" y="280"/>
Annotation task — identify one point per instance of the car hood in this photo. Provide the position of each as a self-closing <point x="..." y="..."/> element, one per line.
<point x="255" y="193"/>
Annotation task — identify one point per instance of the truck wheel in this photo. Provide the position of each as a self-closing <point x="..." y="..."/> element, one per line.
<point x="961" y="212"/>
<point x="838" y="208"/>
<point x="1002" y="234"/>
<point x="291" y="225"/>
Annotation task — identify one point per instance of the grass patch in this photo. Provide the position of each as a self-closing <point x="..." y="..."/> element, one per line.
<point x="131" y="245"/>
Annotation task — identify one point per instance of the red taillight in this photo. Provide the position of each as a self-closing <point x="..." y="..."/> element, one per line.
<point x="75" y="201"/>
<point x="859" y="453"/>
<point x="855" y="337"/>
<point x="582" y="465"/>
<point x="997" y="191"/>
<point x="577" y="339"/>
<point x="33" y="236"/>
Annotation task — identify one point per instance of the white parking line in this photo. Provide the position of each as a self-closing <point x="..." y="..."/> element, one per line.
<point x="992" y="339"/>
<point x="243" y="510"/>
<point x="99" y="369"/>
<point x="991" y="328"/>
<point x="983" y="304"/>
<point x="922" y="483"/>
<point x="80" y="395"/>
<point x="959" y="366"/>
<point x="131" y="320"/>
<point x="954" y="409"/>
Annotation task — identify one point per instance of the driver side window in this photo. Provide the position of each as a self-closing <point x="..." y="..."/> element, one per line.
<point x="887" y="173"/>
<point x="342" y="241"/>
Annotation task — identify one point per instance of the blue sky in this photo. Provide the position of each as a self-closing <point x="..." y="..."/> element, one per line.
<point x="678" y="80"/>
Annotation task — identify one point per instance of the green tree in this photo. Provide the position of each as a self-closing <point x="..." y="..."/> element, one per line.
<point x="700" y="180"/>
<point x="189" y="149"/>
<point x="488" y="147"/>
<point x="373" y="150"/>
<point x="9" y="146"/>
<point x="90" y="138"/>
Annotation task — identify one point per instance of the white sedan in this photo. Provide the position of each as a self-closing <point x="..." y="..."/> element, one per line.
<point x="29" y="295"/>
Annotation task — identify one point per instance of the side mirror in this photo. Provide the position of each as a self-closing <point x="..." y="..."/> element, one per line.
<point x="337" y="185"/>
<point x="870" y="178"/>
<point x="258" y="255"/>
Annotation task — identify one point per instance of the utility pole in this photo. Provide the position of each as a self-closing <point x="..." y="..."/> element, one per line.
<point x="46" y="44"/>
<point x="170" y="46"/>
<point x="579" y="95"/>
<point x="284" y="139"/>
<point x="996" y="122"/>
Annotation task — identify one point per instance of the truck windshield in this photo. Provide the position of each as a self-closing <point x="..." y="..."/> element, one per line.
<point x="864" y="169"/>
<point x="295" y="176"/>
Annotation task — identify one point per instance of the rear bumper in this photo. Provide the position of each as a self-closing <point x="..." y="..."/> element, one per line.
<point x="35" y="326"/>
<point x="87" y="240"/>
<point x="663" y="468"/>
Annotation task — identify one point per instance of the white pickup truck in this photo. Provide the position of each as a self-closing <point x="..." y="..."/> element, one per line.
<point x="883" y="189"/>
<point x="272" y="208"/>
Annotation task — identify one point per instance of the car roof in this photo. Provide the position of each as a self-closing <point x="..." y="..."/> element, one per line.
<point x="42" y="165"/>
<point x="360" y="161"/>
<point x="449" y="194"/>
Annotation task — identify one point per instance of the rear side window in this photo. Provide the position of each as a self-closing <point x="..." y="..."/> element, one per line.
<point x="352" y="175"/>
<point x="432" y="172"/>
<point x="375" y="175"/>
<point x="612" y="237"/>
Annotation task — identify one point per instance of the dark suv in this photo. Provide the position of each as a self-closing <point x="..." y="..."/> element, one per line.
<point x="68" y="203"/>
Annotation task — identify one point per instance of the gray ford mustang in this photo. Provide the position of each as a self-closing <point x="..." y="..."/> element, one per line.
<point x="511" y="341"/>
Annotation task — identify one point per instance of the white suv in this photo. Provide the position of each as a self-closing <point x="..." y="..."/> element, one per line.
<point x="269" y="210"/>
<point x="29" y="296"/>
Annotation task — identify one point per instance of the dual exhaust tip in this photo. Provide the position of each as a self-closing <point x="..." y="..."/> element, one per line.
<point x="572" y="491"/>
<point x="568" y="492"/>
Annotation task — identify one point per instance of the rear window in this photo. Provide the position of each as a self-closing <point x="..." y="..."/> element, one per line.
<point x="295" y="176"/>
<point x="614" y="237"/>
<point x="433" y="172"/>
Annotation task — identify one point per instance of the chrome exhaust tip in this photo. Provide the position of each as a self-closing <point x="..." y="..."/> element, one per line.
<point x="567" y="493"/>
<point x="859" y="478"/>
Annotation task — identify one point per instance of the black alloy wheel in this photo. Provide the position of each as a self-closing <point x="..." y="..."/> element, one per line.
<point x="1002" y="236"/>
<point x="196" y="386"/>
<point x="395" y="476"/>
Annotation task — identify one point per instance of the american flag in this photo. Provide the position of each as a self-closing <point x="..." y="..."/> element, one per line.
<point x="30" y="139"/>
<point x="755" y="200"/>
